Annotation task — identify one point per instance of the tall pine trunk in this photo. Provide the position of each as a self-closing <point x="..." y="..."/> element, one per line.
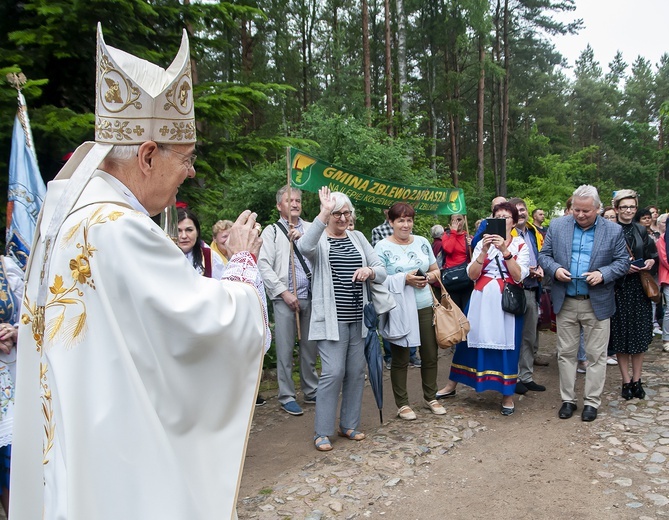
<point x="504" y="105"/>
<point x="389" y="76"/>
<point x="479" y="117"/>
<point x="401" y="59"/>
<point x="366" y="62"/>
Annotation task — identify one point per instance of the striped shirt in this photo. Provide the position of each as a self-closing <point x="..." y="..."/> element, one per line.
<point x="344" y="261"/>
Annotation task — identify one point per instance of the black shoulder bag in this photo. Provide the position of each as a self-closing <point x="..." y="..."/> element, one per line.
<point x="297" y="251"/>
<point x="456" y="278"/>
<point x="513" y="296"/>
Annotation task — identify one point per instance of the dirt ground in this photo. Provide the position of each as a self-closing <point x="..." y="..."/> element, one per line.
<point x="529" y="465"/>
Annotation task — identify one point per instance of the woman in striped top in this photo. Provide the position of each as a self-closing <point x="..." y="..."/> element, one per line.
<point x="342" y="261"/>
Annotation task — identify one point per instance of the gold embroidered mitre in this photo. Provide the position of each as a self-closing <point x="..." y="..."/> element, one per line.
<point x="137" y="101"/>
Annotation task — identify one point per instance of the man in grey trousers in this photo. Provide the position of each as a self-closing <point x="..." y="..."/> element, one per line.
<point x="584" y="254"/>
<point x="277" y="274"/>
<point x="532" y="286"/>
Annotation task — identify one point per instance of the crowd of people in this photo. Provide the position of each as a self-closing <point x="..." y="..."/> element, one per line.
<point x="139" y="362"/>
<point x="586" y="261"/>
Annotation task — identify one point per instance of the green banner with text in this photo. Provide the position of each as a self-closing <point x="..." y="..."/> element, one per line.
<point x="310" y="174"/>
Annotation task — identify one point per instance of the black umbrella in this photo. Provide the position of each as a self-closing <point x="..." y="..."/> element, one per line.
<point x="373" y="352"/>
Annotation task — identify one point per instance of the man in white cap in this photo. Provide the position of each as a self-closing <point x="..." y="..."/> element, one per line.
<point x="137" y="377"/>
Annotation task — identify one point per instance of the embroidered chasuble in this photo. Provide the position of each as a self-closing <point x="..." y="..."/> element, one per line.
<point x="136" y="400"/>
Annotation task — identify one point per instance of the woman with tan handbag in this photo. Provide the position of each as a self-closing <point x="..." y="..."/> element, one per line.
<point x="632" y="324"/>
<point x="411" y="266"/>
<point x="488" y="360"/>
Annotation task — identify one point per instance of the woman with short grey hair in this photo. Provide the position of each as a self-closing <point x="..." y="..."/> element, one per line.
<point x="343" y="261"/>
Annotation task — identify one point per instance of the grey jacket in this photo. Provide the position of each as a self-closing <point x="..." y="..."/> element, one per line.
<point x="609" y="256"/>
<point x="314" y="245"/>
<point x="274" y="260"/>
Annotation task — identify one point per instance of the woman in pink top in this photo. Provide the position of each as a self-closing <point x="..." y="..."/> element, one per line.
<point x="663" y="277"/>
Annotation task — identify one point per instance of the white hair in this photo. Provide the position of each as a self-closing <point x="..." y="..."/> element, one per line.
<point x="662" y="218"/>
<point x="123" y="152"/>
<point x="437" y="231"/>
<point x="585" y="191"/>
<point x="341" y="200"/>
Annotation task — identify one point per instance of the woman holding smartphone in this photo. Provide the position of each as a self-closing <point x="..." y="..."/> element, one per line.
<point x="488" y="359"/>
<point x="411" y="266"/>
<point x="632" y="324"/>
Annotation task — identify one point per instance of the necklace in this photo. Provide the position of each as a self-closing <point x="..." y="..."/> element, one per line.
<point x="403" y="246"/>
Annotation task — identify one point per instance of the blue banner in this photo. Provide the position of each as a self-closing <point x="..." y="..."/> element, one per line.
<point x="26" y="189"/>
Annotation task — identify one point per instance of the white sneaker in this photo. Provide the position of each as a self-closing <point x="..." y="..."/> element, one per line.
<point x="657" y="330"/>
<point x="407" y="413"/>
<point x="582" y="367"/>
<point x="665" y="346"/>
<point x="611" y="360"/>
<point x="435" y="407"/>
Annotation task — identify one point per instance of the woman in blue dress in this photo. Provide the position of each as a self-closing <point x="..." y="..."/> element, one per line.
<point x="488" y="360"/>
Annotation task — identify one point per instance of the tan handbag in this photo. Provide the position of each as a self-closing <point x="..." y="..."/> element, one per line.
<point x="650" y="286"/>
<point x="450" y="324"/>
<point x="648" y="283"/>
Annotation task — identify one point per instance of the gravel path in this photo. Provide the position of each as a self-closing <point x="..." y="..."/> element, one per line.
<point x="471" y="463"/>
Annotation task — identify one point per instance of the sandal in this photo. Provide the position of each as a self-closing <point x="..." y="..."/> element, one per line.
<point x="322" y="443"/>
<point x="351" y="434"/>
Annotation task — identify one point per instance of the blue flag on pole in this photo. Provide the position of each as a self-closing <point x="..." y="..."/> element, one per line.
<point x="26" y="189"/>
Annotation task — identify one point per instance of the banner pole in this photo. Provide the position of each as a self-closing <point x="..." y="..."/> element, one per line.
<point x="292" y="244"/>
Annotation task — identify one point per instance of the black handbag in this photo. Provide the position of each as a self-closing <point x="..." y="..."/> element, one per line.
<point x="456" y="278"/>
<point x="513" y="296"/>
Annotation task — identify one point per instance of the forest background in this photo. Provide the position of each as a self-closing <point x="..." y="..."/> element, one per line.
<point x="466" y="93"/>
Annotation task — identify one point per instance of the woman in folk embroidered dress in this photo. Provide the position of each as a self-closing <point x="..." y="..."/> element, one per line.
<point x="11" y="284"/>
<point x="488" y="360"/>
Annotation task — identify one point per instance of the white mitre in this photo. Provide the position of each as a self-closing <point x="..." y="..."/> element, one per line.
<point x="137" y="101"/>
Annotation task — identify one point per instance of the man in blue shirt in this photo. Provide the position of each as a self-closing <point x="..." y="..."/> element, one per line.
<point x="584" y="254"/>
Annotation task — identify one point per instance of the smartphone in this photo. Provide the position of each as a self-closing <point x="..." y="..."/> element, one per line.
<point x="639" y="263"/>
<point x="420" y="273"/>
<point x="495" y="226"/>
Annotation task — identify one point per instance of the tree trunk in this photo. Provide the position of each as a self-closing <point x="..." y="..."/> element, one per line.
<point x="505" y="102"/>
<point x="432" y="73"/>
<point x="247" y="49"/>
<point x="389" y="76"/>
<point x="401" y="60"/>
<point x="495" y="96"/>
<point x="479" y="117"/>
<point x="660" y="147"/>
<point x="305" y="66"/>
<point x="366" y="62"/>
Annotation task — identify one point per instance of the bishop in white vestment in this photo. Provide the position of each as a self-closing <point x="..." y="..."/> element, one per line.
<point x="137" y="377"/>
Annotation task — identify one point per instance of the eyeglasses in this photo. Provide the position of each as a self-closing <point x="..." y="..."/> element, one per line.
<point x="626" y="208"/>
<point x="340" y="214"/>
<point x="190" y="159"/>
<point x="610" y="217"/>
<point x="505" y="217"/>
